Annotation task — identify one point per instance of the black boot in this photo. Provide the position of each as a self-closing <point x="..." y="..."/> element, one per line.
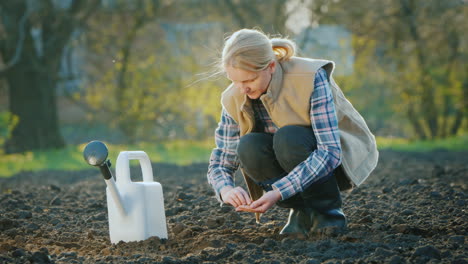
<point x="317" y="207"/>
<point x="322" y="203"/>
<point x="299" y="221"/>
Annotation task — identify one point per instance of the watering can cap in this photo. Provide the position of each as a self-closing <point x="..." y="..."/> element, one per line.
<point x="95" y="153"/>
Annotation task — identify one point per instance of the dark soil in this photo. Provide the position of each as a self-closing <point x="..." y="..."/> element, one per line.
<point x="412" y="209"/>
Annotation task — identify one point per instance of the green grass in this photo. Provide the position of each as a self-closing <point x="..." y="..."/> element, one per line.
<point x="179" y="152"/>
<point x="459" y="143"/>
<point x="71" y="158"/>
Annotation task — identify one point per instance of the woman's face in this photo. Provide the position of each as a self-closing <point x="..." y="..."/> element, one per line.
<point x="251" y="83"/>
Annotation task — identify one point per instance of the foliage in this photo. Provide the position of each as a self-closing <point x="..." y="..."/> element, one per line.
<point x="420" y="47"/>
<point x="140" y="60"/>
<point x="8" y="122"/>
<point x="151" y="94"/>
<point x="151" y="90"/>
<point x="371" y="91"/>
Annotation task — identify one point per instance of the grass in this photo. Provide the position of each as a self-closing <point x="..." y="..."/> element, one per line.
<point x="179" y="152"/>
<point x="71" y="157"/>
<point x="459" y="143"/>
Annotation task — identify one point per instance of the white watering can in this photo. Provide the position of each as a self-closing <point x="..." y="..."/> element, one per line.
<point x="136" y="209"/>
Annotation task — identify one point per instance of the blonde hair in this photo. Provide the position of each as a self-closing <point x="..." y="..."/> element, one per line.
<point x="252" y="50"/>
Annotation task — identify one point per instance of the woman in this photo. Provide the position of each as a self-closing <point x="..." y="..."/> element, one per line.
<point x="288" y="126"/>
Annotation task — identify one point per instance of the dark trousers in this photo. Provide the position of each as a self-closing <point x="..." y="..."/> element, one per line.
<point x="266" y="158"/>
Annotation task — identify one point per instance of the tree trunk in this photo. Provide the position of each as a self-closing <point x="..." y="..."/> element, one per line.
<point x="32" y="76"/>
<point x="462" y="114"/>
<point x="128" y="122"/>
<point x="33" y="100"/>
<point x="415" y="123"/>
<point x="428" y="107"/>
<point x="31" y="86"/>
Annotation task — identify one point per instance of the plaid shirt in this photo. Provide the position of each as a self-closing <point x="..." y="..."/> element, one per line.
<point x="224" y="161"/>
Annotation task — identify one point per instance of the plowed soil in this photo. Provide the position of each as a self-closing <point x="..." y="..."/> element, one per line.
<point x="412" y="209"/>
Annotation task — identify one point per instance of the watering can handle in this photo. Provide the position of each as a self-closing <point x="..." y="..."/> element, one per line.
<point x="123" y="166"/>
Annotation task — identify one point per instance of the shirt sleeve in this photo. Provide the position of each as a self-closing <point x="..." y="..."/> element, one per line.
<point x="224" y="161"/>
<point x="327" y="156"/>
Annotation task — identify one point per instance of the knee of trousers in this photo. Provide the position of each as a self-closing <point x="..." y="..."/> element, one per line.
<point x="293" y="144"/>
<point x="252" y="148"/>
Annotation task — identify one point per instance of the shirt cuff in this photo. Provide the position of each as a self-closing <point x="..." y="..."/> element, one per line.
<point x="221" y="185"/>
<point x="286" y="187"/>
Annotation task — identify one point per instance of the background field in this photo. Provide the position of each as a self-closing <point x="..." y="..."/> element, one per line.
<point x="139" y="75"/>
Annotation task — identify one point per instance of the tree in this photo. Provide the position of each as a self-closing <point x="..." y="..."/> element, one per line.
<point x="33" y="36"/>
<point x="420" y="45"/>
<point x="151" y="92"/>
<point x="135" y="78"/>
<point x="143" y="92"/>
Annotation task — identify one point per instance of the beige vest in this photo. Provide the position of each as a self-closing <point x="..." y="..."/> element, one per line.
<point x="287" y="101"/>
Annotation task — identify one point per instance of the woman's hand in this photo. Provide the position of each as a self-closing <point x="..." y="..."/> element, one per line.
<point x="235" y="196"/>
<point x="263" y="204"/>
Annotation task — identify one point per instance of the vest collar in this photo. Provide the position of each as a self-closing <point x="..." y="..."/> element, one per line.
<point x="274" y="89"/>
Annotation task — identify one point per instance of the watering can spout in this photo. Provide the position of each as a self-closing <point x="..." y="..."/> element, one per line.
<point x="116" y="196"/>
<point x="95" y="154"/>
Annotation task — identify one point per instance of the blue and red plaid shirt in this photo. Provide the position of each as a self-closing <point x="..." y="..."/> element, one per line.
<point x="224" y="161"/>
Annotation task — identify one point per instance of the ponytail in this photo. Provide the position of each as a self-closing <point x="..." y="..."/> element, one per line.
<point x="284" y="49"/>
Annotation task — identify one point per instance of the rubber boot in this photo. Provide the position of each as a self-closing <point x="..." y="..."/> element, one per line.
<point x="322" y="203"/>
<point x="299" y="221"/>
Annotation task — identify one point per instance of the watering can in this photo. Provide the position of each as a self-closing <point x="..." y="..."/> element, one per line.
<point x="135" y="209"/>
